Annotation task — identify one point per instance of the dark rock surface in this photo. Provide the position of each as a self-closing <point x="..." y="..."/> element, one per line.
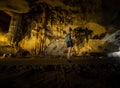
<point x="56" y="72"/>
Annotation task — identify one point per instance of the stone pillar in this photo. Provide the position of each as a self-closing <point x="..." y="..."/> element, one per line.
<point x="14" y="24"/>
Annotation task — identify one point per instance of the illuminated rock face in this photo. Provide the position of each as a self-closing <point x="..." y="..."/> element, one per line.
<point x="112" y="42"/>
<point x="42" y="28"/>
<point x="45" y="28"/>
<point x="114" y="38"/>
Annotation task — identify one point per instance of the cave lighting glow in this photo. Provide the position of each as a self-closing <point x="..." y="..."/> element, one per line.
<point x="3" y="38"/>
<point x="114" y="54"/>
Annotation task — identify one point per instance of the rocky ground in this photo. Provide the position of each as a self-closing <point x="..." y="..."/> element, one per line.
<point x="57" y="72"/>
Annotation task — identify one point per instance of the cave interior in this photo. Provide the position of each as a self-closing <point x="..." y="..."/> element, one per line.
<point x="33" y="50"/>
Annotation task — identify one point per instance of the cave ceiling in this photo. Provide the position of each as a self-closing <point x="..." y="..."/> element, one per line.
<point x="109" y="8"/>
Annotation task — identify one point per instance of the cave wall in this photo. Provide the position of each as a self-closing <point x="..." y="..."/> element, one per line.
<point x="42" y="28"/>
<point x="4" y="28"/>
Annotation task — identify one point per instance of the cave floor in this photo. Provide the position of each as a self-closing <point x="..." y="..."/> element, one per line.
<point x="59" y="60"/>
<point x="57" y="72"/>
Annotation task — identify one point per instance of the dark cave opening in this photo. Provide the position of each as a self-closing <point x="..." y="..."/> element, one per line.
<point x="4" y="22"/>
